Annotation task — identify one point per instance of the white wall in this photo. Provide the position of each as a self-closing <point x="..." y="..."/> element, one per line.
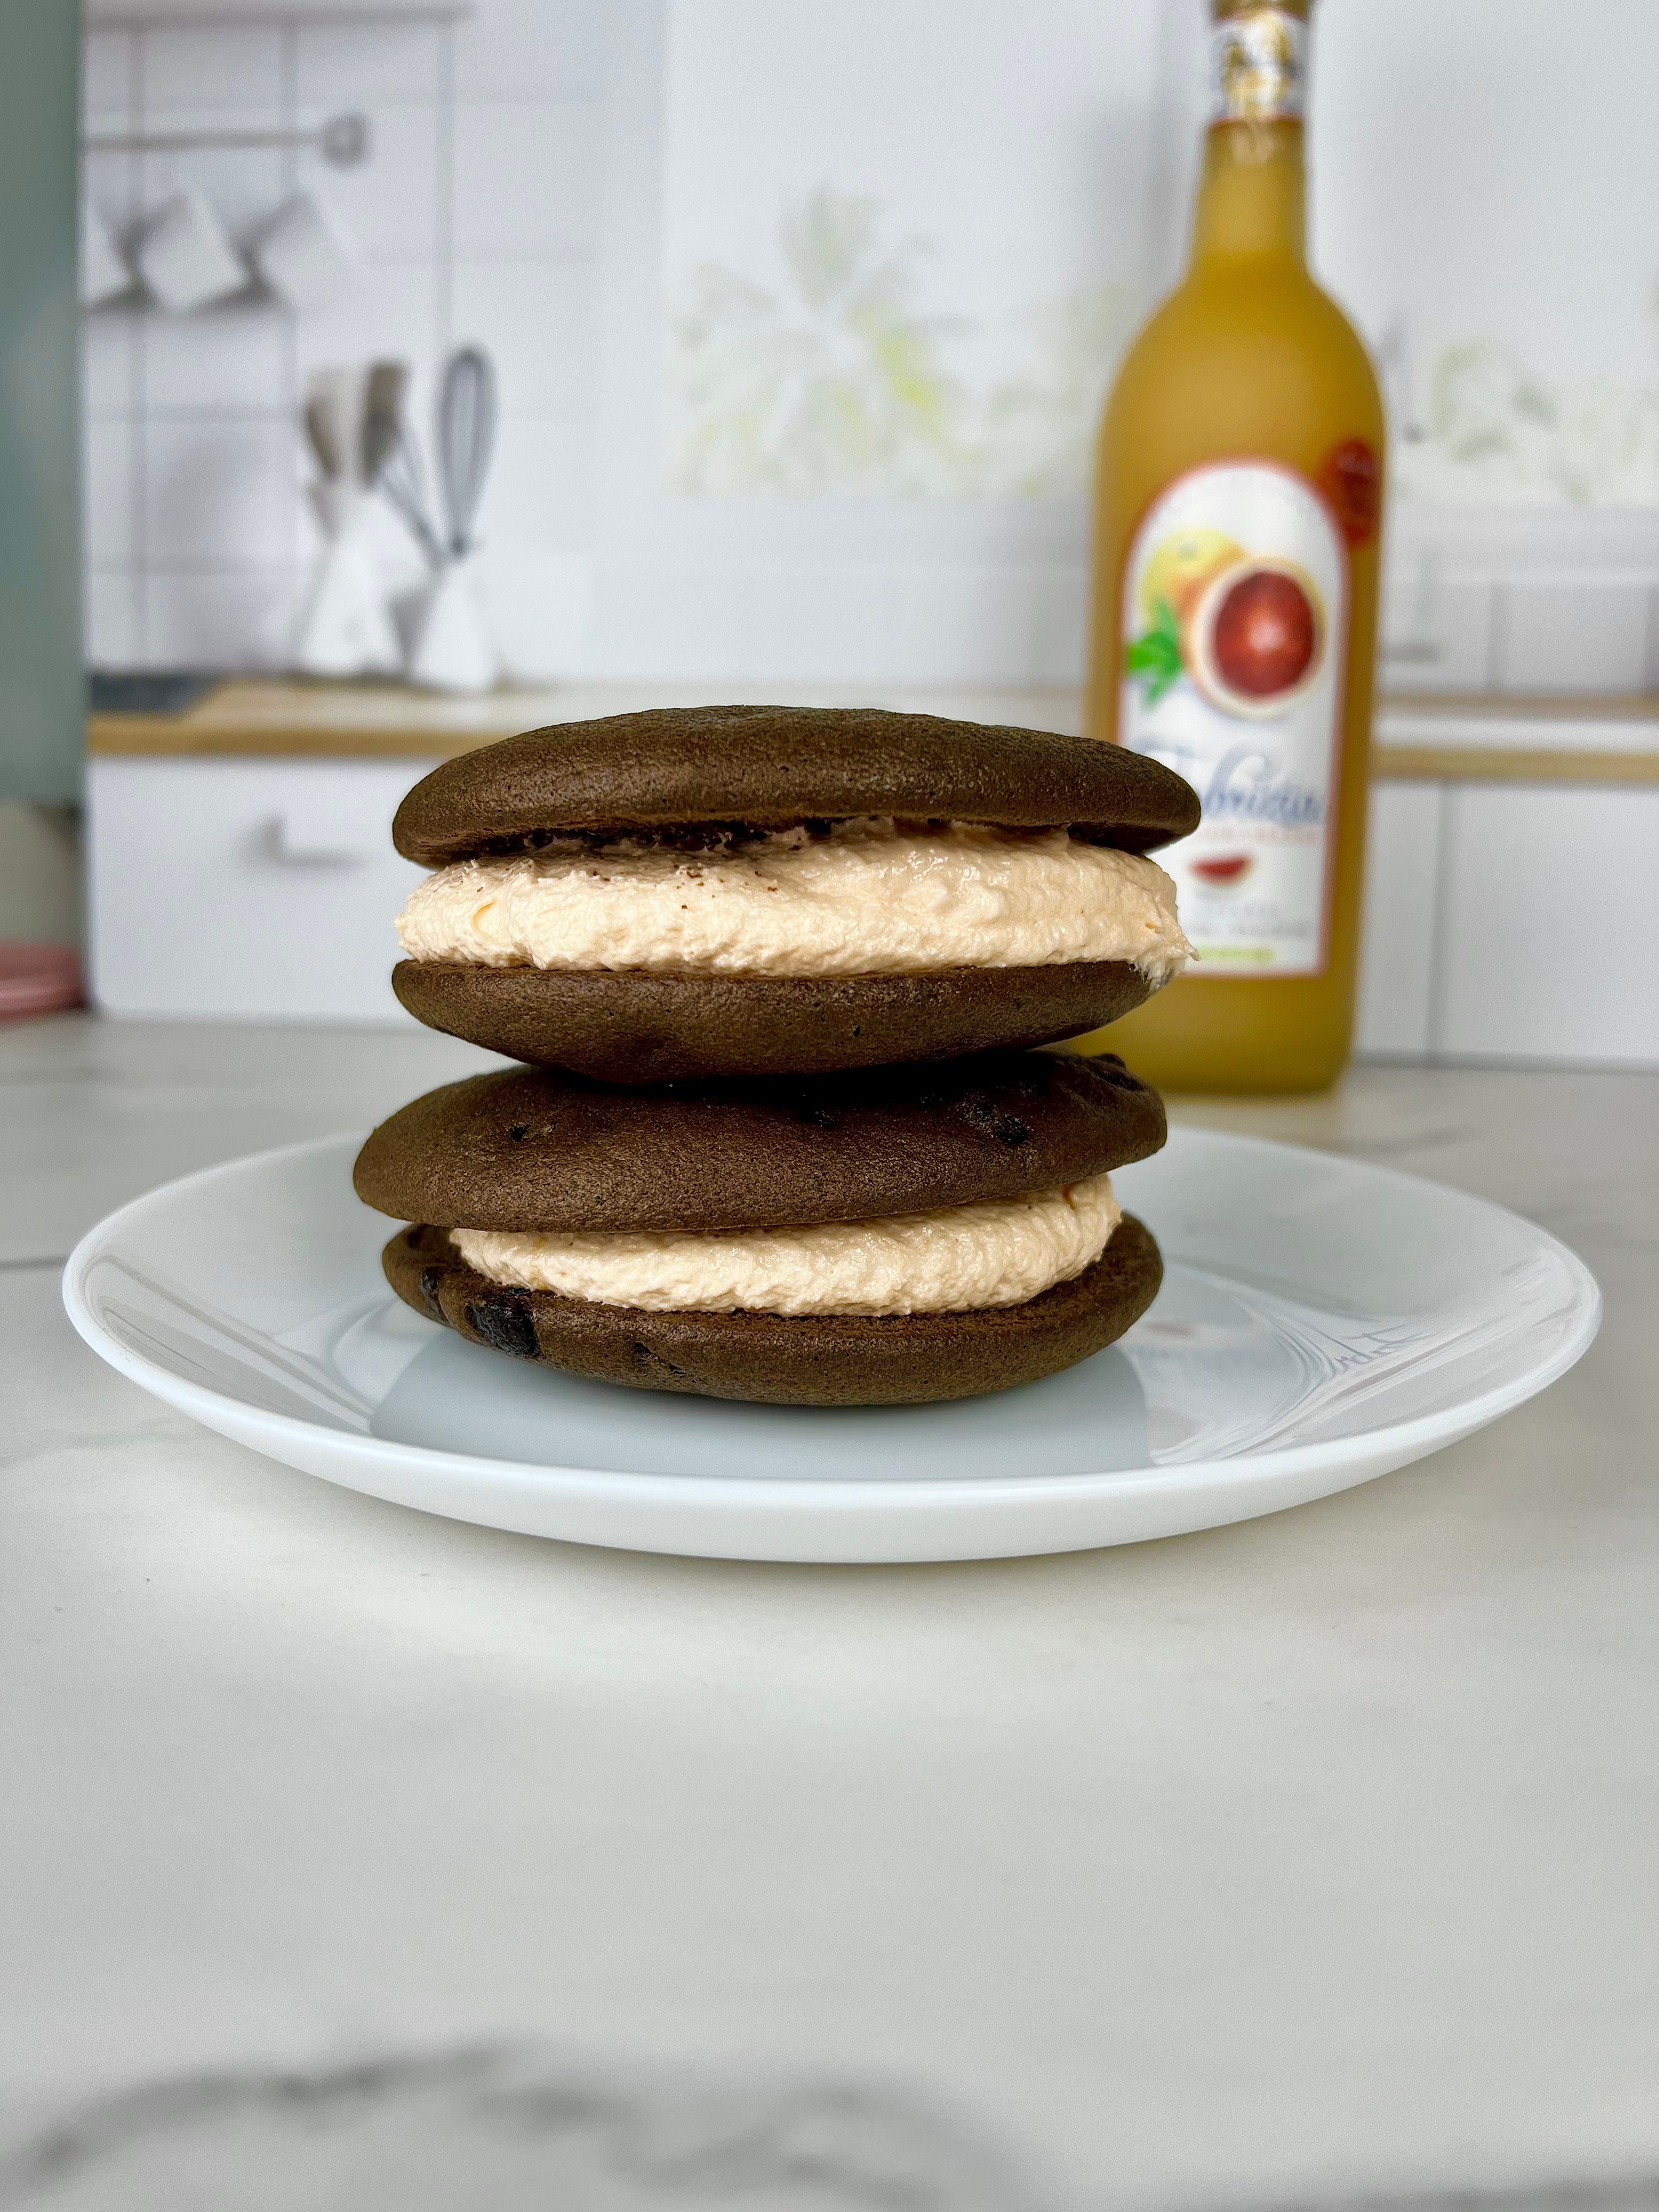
<point x="550" y="175"/>
<point x="1486" y="202"/>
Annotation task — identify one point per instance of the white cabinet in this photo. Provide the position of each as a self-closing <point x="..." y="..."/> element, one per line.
<point x="1550" y="925"/>
<point x="1511" y="923"/>
<point x="1398" y="941"/>
<point x="253" y="890"/>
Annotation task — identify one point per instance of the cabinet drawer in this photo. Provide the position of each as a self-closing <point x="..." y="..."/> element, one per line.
<point x="246" y="889"/>
<point x="1550" y="937"/>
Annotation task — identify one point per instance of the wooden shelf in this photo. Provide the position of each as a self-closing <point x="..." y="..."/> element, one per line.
<point x="262" y="718"/>
<point x="390" y="15"/>
<point x="1525" y="706"/>
<point x="1512" y="764"/>
<point x="1459" y="739"/>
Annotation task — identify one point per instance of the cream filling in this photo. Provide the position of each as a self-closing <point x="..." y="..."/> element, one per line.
<point x="869" y="897"/>
<point x="996" y="1254"/>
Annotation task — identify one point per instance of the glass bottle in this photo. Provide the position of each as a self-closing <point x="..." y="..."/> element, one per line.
<point x="1233" y="623"/>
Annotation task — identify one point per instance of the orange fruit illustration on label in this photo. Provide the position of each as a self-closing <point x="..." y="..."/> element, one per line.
<point x="1180" y="568"/>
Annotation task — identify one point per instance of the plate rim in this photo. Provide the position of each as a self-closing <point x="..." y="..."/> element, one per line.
<point x="1401" y="1441"/>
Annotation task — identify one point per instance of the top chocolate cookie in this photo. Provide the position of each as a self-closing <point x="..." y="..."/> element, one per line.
<point x="766" y="768"/>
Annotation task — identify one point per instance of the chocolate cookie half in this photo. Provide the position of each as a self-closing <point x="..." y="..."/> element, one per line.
<point x="875" y="1237"/>
<point x="731" y="891"/>
<point x="629" y="1027"/>
<point x="897" y="1359"/>
<point x="533" y="1149"/>
<point x="768" y="767"/>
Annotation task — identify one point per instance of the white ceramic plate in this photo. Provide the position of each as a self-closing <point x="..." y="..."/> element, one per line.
<point x="1322" y="1320"/>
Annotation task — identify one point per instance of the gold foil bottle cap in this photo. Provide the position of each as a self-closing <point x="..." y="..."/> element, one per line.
<point x="1221" y="9"/>
<point x="1258" y="61"/>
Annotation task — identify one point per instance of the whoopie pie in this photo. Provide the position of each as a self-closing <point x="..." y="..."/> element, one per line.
<point x="880" y="1237"/>
<point x="735" y="891"/>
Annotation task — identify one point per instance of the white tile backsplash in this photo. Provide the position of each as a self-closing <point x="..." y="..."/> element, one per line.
<point x="523" y="49"/>
<point x="214" y="620"/>
<point x="541" y="489"/>
<point x="527" y="176"/>
<point x="221" y="491"/>
<point x="1057" y="612"/>
<point x="209" y="66"/>
<point x="348" y="66"/>
<point x="110" y="617"/>
<point x="106" y="503"/>
<point x="389" y="203"/>
<point x="1437" y="630"/>
<point x="242" y="185"/>
<point x="111" y="181"/>
<point x="540" y="319"/>
<point x="1575" y="634"/>
<point x="227" y="358"/>
<point x="106" y="80"/>
<point x="1468" y="617"/>
<point x="391" y="312"/>
<point x="109" y="340"/>
<point x="540" y="608"/>
<point x="781" y="625"/>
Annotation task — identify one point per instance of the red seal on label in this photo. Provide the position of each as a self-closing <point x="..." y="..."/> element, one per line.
<point x="1351" y="478"/>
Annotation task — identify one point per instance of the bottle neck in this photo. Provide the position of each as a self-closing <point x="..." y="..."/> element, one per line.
<point x="1252" y="201"/>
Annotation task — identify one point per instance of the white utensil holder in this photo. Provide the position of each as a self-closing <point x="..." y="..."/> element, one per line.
<point x="346" y="628"/>
<point x="454" y="649"/>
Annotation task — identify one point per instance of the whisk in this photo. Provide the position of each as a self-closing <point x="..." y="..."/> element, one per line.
<point x="452" y="647"/>
<point x="390" y="460"/>
<point x="466" y="436"/>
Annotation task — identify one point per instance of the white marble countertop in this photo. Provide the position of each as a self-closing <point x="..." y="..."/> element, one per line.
<point x="1307" y="1859"/>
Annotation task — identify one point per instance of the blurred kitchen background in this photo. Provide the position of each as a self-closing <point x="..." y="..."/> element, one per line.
<point x="800" y="317"/>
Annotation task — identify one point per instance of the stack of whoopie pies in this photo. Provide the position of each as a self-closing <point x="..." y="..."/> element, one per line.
<point x="778" y="973"/>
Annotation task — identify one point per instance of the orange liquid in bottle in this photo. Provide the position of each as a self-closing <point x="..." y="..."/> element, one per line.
<point x="1233" y="624"/>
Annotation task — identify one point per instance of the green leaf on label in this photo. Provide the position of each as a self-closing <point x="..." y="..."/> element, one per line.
<point x="1153" y="659"/>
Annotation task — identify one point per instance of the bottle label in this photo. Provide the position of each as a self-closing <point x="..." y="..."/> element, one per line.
<point x="1235" y="629"/>
<point x="1258" y="67"/>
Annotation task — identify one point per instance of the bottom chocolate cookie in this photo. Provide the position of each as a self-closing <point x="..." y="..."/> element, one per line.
<point x="787" y="1360"/>
<point x="632" y="1028"/>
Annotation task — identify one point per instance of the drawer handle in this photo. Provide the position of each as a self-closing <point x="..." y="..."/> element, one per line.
<point x="306" y="837"/>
